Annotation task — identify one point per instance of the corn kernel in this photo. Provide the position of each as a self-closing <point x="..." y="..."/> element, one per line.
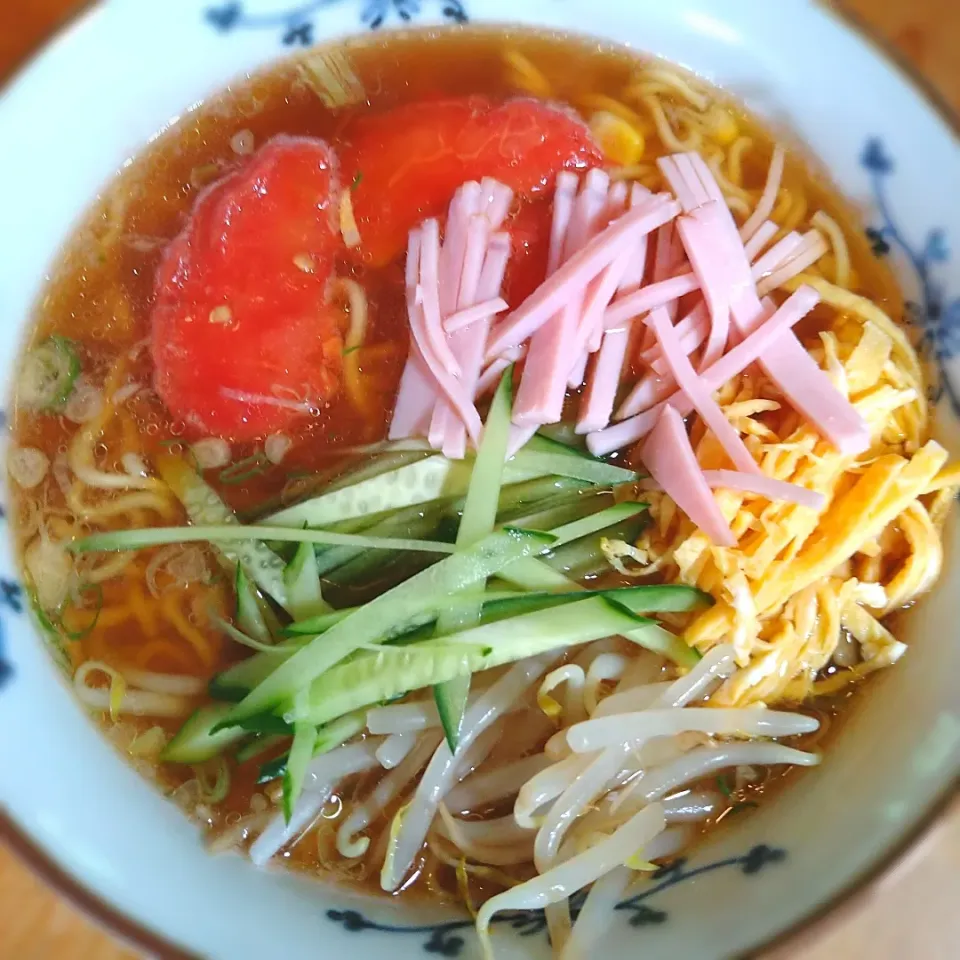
<point x="723" y="125"/>
<point x="620" y="142"/>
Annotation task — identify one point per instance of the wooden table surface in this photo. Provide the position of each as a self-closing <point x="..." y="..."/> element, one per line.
<point x="912" y="913"/>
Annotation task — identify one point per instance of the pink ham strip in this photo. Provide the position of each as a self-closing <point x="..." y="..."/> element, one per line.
<point x="451" y="388"/>
<point x="765" y="486"/>
<point x="479" y="311"/>
<point x="492" y="202"/>
<point x="764" y="234"/>
<point x="700" y="232"/>
<point x="812" y="249"/>
<point x="781" y="252"/>
<point x="551" y="295"/>
<point x="698" y="395"/>
<point x="563" y="200"/>
<point x="762" y="486"/>
<point x="670" y="459"/>
<point x="469" y="342"/>
<point x="600" y="292"/>
<point x="436" y="342"/>
<point x="465" y="204"/>
<point x="597" y="403"/>
<point x="657" y="383"/>
<point x="415" y="398"/>
<point x="497" y="198"/>
<point x="768" y="198"/>
<point x="491" y="375"/>
<point x="632" y="280"/>
<point x="789" y="365"/>
<point x="647" y="298"/>
<point x="417" y="393"/>
<point x="771" y="331"/>
<point x="578" y="370"/>
<point x="693" y="330"/>
<point x="555" y="347"/>
<point x="519" y="436"/>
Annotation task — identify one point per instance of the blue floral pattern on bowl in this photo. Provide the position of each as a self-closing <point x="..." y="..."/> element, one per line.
<point x="296" y="23"/>
<point x="936" y="316"/>
<point x="444" y="938"/>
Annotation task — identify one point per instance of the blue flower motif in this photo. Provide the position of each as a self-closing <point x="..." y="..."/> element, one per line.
<point x="444" y="938"/>
<point x="875" y="157"/>
<point x="224" y="17"/>
<point x="296" y="23"/>
<point x="936" y="318"/>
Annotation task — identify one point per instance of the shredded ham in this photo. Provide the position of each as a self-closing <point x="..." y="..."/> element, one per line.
<point x="597" y="306"/>
<point x="553" y="293"/>
<point x="668" y="456"/>
<point x="698" y="394"/>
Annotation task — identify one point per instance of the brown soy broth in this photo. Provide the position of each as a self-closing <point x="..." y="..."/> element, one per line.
<point x="102" y="291"/>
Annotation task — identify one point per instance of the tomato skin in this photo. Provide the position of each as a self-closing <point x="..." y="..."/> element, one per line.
<point x="529" y="230"/>
<point x="408" y="161"/>
<point x="240" y="327"/>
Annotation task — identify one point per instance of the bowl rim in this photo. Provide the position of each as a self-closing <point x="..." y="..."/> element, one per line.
<point x="804" y="931"/>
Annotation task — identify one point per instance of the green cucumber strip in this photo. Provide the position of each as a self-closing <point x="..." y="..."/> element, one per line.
<point x="250" y="616"/>
<point x="301" y="751"/>
<point x="197" y="740"/>
<point x="531" y="573"/>
<point x="218" y="535"/>
<point x="318" y="625"/>
<point x="373" y="677"/>
<point x="561" y="439"/>
<point x="478" y="520"/>
<point x="586" y="526"/>
<point x="584" y="557"/>
<point x="267" y="724"/>
<point x="572" y="465"/>
<point x="564" y="434"/>
<point x="312" y="626"/>
<point x="259" y="744"/>
<point x="234" y="683"/>
<point x="204" y="507"/>
<point x="304" y="597"/>
<point x="565" y="510"/>
<point x="268" y="649"/>
<point x="328" y="737"/>
<point x="375" y="619"/>
<point x="47" y="374"/>
<point x="414" y="483"/>
<point x="519" y="498"/>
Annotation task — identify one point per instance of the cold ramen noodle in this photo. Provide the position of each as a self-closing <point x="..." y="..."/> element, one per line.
<point x="450" y="470"/>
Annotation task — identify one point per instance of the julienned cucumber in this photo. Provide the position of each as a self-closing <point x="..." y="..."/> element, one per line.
<point x="328" y="737"/>
<point x="234" y="683"/>
<point x="204" y="506"/>
<point x="373" y="620"/>
<point x="373" y="677"/>
<point x="304" y="597"/>
<point x="478" y="520"/>
<point x="236" y="537"/>
<point x="414" y="483"/>
<point x="251" y="617"/>
<point x="196" y="740"/>
<point x="570" y="464"/>
<point x="301" y="751"/>
<point x="47" y="374"/>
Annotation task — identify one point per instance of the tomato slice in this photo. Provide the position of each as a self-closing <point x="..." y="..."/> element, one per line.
<point x="407" y="162"/>
<point x="243" y="341"/>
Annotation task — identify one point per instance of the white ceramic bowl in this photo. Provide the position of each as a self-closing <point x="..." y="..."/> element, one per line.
<point x="127" y="69"/>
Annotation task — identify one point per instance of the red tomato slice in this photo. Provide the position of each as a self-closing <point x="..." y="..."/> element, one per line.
<point x="407" y="162"/>
<point x="529" y="245"/>
<point x="243" y="342"/>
